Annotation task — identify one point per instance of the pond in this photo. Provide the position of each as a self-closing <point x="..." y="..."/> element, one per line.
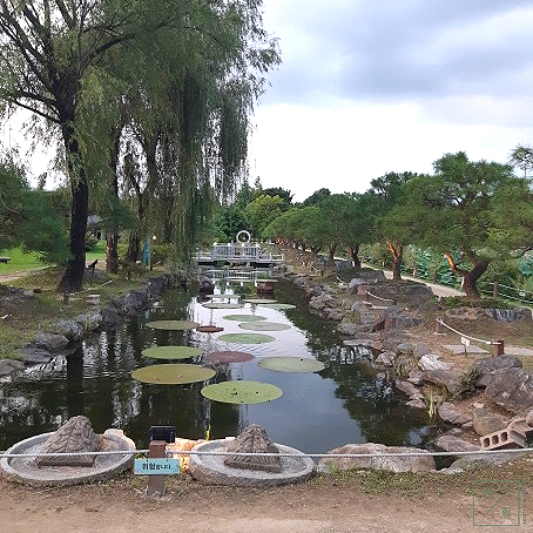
<point x="349" y="401"/>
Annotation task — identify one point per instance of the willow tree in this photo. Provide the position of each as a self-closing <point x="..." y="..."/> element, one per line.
<point x="54" y="53"/>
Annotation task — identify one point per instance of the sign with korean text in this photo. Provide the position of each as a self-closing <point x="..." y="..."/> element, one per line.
<point x="161" y="467"/>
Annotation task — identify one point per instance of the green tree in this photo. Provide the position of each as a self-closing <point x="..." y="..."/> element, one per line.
<point x="453" y="213"/>
<point x="262" y="211"/>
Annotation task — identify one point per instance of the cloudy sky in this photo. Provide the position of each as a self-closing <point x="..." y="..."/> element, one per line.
<point x="373" y="86"/>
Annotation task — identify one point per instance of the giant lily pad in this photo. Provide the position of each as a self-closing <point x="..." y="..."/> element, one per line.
<point x="173" y="374"/>
<point x="171" y="352"/>
<point x="246" y="338"/>
<point x="245" y="318"/>
<point x="291" y="364"/>
<point x="260" y="301"/>
<point x="279" y="306"/>
<point x="228" y="356"/>
<point x="172" y="325"/>
<point x="242" y="392"/>
<point x="209" y="328"/>
<point x="222" y="305"/>
<point x="264" y="326"/>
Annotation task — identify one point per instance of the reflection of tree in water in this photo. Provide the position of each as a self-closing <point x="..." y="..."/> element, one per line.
<point x="368" y="394"/>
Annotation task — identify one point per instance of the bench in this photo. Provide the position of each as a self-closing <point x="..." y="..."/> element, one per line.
<point x="5" y="259"/>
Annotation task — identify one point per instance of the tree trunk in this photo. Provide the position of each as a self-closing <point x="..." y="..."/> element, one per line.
<point x="112" y="252"/>
<point x="72" y="279"/>
<point x="470" y="277"/>
<point x="332" y="250"/>
<point x="397" y="257"/>
<point x="112" y="234"/>
<point x="354" y="256"/>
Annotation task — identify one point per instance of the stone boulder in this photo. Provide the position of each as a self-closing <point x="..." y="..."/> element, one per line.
<point x="487" y="367"/>
<point x="451" y="379"/>
<point x="31" y="355"/>
<point x="485" y="422"/>
<point x="50" y="341"/>
<point x="386" y="358"/>
<point x="429" y="362"/>
<point x="451" y="443"/>
<point x="452" y="415"/>
<point x="254" y="440"/>
<point x="511" y="389"/>
<point x="76" y="436"/>
<point x="394" y="464"/>
<point x="69" y="329"/>
<point x="8" y="366"/>
<point x="411" y="390"/>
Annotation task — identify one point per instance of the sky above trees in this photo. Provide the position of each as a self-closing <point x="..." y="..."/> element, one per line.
<point x="367" y="88"/>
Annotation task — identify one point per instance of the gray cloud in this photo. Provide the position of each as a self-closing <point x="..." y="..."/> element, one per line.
<point x="392" y="52"/>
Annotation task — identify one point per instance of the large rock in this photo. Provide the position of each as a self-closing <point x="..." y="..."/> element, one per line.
<point x="76" y="436"/>
<point x="395" y="464"/>
<point x="8" y="366"/>
<point x="451" y="379"/>
<point x="451" y="443"/>
<point x="411" y="390"/>
<point x="50" y="341"/>
<point x="511" y="389"/>
<point x="432" y="362"/>
<point x="487" y="367"/>
<point x="253" y="440"/>
<point x="485" y="422"/>
<point x="32" y="355"/>
<point x="69" y="329"/>
<point x="451" y="414"/>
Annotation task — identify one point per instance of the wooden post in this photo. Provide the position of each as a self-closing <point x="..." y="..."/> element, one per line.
<point x="66" y="298"/>
<point x="438" y="327"/>
<point x="495" y="289"/>
<point x="498" y="348"/>
<point x="156" y="483"/>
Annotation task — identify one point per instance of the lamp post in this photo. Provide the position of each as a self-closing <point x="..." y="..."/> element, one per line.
<point x="154" y="238"/>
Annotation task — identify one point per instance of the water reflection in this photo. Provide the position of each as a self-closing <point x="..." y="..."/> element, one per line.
<point x="350" y="401"/>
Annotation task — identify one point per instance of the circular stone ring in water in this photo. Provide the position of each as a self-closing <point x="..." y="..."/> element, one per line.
<point x="242" y="392"/>
<point x="246" y="338"/>
<point x="212" y="470"/>
<point x="259" y="301"/>
<point x="175" y="374"/>
<point x="291" y="364"/>
<point x="265" y="326"/>
<point x="172" y="325"/>
<point x="172" y="352"/>
<point x="228" y="357"/>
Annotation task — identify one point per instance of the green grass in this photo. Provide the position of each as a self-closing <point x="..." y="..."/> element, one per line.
<point x="20" y="260"/>
<point x="98" y="252"/>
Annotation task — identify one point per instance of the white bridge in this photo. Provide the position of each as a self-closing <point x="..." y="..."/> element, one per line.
<point x="238" y="253"/>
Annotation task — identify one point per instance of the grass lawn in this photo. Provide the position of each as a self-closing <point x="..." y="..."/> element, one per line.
<point x="20" y="260"/>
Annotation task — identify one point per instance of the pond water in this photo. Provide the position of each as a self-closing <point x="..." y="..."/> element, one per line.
<point x="348" y="402"/>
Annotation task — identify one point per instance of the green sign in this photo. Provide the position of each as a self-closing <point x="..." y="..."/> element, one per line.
<point x="496" y="502"/>
<point x="160" y="467"/>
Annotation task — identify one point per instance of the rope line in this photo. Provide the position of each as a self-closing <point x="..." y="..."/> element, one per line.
<point x="490" y="343"/>
<point x="379" y="297"/>
<point x="6" y="455"/>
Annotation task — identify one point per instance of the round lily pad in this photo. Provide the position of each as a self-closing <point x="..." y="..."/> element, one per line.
<point x="245" y="318"/>
<point x="246" y="338"/>
<point x="174" y="374"/>
<point x="172" y="325"/>
<point x="279" y="306"/>
<point x="264" y="326"/>
<point x="228" y="356"/>
<point x="291" y="364"/>
<point x="259" y="301"/>
<point x="214" y="296"/>
<point x="242" y="392"/>
<point x="172" y="352"/>
<point x="222" y="305"/>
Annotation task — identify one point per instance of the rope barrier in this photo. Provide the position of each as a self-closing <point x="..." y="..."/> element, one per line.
<point x="95" y="287"/>
<point x="379" y="297"/>
<point x="490" y="343"/>
<point x="421" y="453"/>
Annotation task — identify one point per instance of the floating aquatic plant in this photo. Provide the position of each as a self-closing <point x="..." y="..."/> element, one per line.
<point x="264" y="326"/>
<point x="171" y="352"/>
<point x="222" y="305"/>
<point x="242" y="392"/>
<point x="259" y="301"/>
<point x="173" y="374"/>
<point x="172" y="325"/>
<point x="290" y="364"/>
<point x="246" y="338"/>
<point x="245" y="318"/>
<point x="279" y="306"/>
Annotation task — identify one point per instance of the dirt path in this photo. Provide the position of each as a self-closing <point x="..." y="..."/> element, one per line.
<point x="308" y="508"/>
